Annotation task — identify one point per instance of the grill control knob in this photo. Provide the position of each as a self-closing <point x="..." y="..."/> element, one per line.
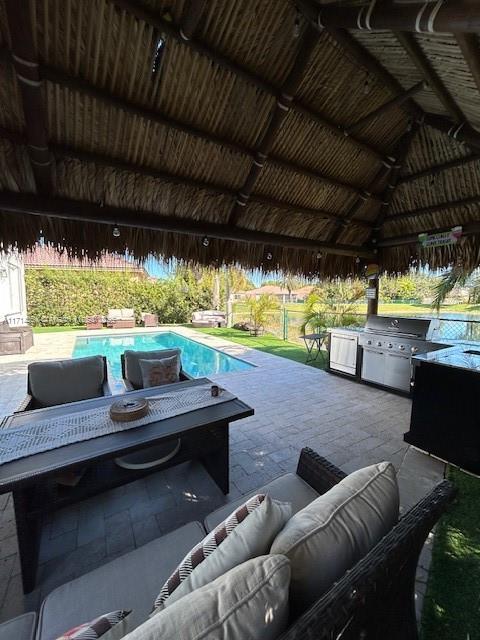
<point x="401" y="347"/>
<point x="390" y="345"/>
<point x="369" y="342"/>
<point x="414" y="349"/>
<point x="379" y="344"/>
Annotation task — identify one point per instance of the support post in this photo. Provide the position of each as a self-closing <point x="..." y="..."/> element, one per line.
<point x="372" y="302"/>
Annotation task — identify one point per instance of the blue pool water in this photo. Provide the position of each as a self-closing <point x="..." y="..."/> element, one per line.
<point x="197" y="359"/>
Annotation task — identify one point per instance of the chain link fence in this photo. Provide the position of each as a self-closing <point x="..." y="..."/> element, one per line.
<point x="286" y="324"/>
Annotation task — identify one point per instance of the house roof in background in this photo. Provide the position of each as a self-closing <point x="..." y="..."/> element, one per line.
<point x="288" y="145"/>
<point x="42" y="257"/>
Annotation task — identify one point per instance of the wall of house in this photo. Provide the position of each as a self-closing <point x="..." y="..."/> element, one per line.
<point x="13" y="304"/>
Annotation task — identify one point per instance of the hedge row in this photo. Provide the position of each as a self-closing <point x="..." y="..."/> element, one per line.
<point x="56" y="298"/>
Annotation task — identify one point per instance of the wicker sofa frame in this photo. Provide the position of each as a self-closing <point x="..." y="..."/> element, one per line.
<point x="375" y="600"/>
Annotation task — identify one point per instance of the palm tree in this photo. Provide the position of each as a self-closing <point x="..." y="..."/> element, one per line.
<point x="457" y="276"/>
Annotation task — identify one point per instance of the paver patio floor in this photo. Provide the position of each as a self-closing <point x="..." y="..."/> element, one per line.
<point x="353" y="425"/>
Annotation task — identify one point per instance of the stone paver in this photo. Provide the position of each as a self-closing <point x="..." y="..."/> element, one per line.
<point x="351" y="424"/>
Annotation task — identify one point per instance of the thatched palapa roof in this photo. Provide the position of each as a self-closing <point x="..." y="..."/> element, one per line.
<point x="312" y="137"/>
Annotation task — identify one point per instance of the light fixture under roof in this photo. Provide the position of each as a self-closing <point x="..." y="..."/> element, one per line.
<point x="205" y="241"/>
<point x="269" y="256"/>
<point x="116" y="232"/>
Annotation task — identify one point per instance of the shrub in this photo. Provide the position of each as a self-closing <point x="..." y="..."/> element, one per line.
<point x="58" y="297"/>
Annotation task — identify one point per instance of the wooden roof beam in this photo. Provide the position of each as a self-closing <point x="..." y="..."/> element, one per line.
<point x="468" y="43"/>
<point x="191" y="17"/>
<point x="462" y="132"/>
<point x="435" y="208"/>
<point x="280" y="111"/>
<point x="63" y="151"/>
<point x="415" y="53"/>
<point x="394" y="102"/>
<point x="364" y="58"/>
<point x="57" y="76"/>
<point x="25" y="61"/>
<point x="434" y="17"/>
<point x="439" y="168"/>
<point x="83" y="211"/>
<point x="402" y="150"/>
<point x="170" y="29"/>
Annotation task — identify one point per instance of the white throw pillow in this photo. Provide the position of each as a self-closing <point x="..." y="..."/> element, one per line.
<point x="332" y="533"/>
<point x="247" y="533"/>
<point x="250" y="602"/>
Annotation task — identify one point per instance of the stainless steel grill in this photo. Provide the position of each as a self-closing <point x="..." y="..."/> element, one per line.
<point x="388" y="344"/>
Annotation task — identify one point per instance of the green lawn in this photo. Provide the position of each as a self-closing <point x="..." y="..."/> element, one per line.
<point x="452" y="604"/>
<point x="56" y="329"/>
<point x="266" y="343"/>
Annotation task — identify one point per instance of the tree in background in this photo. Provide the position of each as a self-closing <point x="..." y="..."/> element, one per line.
<point x="333" y="304"/>
<point x="259" y="308"/>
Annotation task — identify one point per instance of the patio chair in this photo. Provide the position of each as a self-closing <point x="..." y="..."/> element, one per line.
<point x="150" y="319"/>
<point x="121" y="319"/>
<point x="132" y="378"/>
<point x="94" y="322"/>
<point x="131" y="372"/>
<point x="51" y="383"/>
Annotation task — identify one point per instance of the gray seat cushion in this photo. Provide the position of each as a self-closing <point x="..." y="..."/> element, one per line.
<point x="21" y="628"/>
<point x="133" y="372"/>
<point x="62" y="381"/>
<point x="131" y="581"/>
<point x="288" y="488"/>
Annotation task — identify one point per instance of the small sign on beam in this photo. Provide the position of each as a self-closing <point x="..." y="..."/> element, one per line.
<point x="371" y="293"/>
<point x="440" y="239"/>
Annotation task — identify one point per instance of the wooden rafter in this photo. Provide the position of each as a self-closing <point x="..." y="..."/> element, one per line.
<point x="462" y="132"/>
<point x="155" y="20"/>
<point x="439" y="168"/>
<point x="425" y="17"/>
<point x="279" y="112"/>
<point x="468" y="43"/>
<point x="64" y="151"/>
<point x="434" y="208"/>
<point x="416" y="55"/>
<point x="355" y="207"/>
<point x="27" y="71"/>
<point x="63" y="79"/>
<point x="402" y="150"/>
<point x="394" y="102"/>
<point x="66" y="209"/>
<point x="191" y="17"/>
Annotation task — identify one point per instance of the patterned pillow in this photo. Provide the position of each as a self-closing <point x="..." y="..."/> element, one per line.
<point x="158" y="372"/>
<point x="109" y="626"/>
<point x="247" y="533"/>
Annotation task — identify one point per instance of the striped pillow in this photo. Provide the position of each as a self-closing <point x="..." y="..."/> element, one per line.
<point x="204" y="548"/>
<point x="100" y="628"/>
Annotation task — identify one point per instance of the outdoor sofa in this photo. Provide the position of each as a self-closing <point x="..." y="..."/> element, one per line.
<point x="373" y="599"/>
<point x="55" y="382"/>
<point x="14" y="340"/>
<point x="210" y="318"/>
<point x="121" y="319"/>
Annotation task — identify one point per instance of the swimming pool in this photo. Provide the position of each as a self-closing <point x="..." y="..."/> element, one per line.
<point x="197" y="359"/>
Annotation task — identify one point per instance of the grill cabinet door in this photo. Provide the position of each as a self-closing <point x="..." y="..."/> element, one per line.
<point x="343" y="353"/>
<point x="373" y="366"/>
<point x="398" y="371"/>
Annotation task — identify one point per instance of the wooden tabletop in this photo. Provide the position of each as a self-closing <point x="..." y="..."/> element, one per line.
<point x="33" y="468"/>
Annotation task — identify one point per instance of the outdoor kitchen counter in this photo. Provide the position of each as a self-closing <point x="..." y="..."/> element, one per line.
<point x="466" y="357"/>
<point x="445" y="419"/>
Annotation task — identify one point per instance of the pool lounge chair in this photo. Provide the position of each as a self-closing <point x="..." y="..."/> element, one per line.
<point x="210" y="318"/>
<point x="121" y="319"/>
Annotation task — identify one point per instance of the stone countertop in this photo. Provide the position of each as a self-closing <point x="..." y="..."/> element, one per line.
<point x="463" y="357"/>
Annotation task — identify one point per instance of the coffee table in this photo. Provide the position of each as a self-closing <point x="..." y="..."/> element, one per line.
<point x="204" y="434"/>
